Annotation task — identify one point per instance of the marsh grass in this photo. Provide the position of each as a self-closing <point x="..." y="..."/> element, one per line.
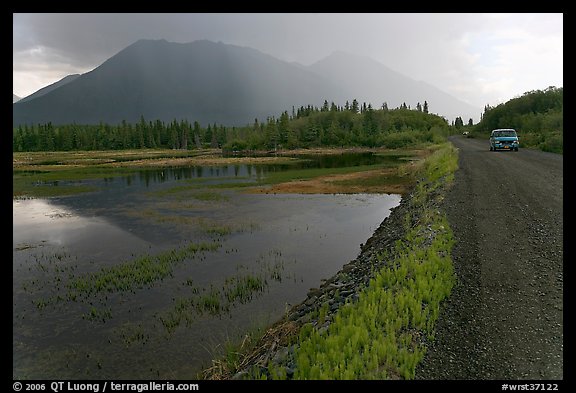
<point x="92" y="288"/>
<point x="242" y="288"/>
<point x="97" y="315"/>
<point x="131" y="333"/>
<point x="137" y="273"/>
<point x="237" y="289"/>
<point x="214" y="228"/>
<point x="212" y="301"/>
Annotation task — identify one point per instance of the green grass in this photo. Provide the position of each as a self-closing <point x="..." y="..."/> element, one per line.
<point x="132" y="333"/>
<point x="237" y="289"/>
<point x="136" y="273"/>
<point x="217" y="230"/>
<point x="213" y="301"/>
<point x="142" y="271"/>
<point x="97" y="315"/>
<point x="380" y="335"/>
<point x="210" y="302"/>
<point x="241" y="288"/>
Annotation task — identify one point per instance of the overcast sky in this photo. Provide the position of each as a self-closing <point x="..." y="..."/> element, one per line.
<point x="478" y="58"/>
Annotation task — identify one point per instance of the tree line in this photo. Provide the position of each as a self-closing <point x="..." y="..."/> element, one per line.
<point x="329" y="125"/>
<point x="537" y="116"/>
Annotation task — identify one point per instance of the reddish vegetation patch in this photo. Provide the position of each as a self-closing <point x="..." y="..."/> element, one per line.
<point x="337" y="184"/>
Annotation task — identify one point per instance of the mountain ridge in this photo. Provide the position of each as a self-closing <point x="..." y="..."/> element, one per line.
<point x="200" y="81"/>
<point x="365" y="87"/>
<point x="49" y="88"/>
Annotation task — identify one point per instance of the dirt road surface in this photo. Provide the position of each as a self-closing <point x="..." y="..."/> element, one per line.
<point x="504" y="319"/>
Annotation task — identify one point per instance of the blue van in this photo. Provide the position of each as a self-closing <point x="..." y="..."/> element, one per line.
<point x="504" y="139"/>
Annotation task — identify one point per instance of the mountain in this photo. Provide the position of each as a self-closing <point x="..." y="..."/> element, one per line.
<point x="49" y="88"/>
<point x="202" y="80"/>
<point x="372" y="82"/>
<point x="218" y="83"/>
<point x="15" y="98"/>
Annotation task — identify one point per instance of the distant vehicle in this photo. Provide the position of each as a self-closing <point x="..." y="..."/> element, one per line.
<point x="504" y="139"/>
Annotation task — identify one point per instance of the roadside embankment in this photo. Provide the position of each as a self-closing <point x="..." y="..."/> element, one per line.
<point x="371" y="320"/>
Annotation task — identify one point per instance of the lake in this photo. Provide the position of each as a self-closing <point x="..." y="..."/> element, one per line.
<point x="152" y="274"/>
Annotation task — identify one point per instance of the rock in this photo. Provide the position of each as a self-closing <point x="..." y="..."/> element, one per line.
<point x="310" y="301"/>
<point x="240" y="375"/>
<point x="280" y="356"/>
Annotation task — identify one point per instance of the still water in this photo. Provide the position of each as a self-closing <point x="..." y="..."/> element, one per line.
<point x="169" y="327"/>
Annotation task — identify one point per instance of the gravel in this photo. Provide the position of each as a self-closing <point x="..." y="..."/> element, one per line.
<point x="504" y="318"/>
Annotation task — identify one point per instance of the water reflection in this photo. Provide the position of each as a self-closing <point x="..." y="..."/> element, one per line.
<point x="40" y="222"/>
<point x="249" y="172"/>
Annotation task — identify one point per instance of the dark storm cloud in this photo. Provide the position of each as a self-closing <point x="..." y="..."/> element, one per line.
<point x="86" y="38"/>
<point x="464" y="54"/>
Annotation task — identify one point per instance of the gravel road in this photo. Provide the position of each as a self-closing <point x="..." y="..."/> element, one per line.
<point x="504" y="319"/>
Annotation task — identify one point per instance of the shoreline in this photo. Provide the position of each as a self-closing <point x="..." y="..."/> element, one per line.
<point x="276" y="346"/>
<point x="375" y="317"/>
